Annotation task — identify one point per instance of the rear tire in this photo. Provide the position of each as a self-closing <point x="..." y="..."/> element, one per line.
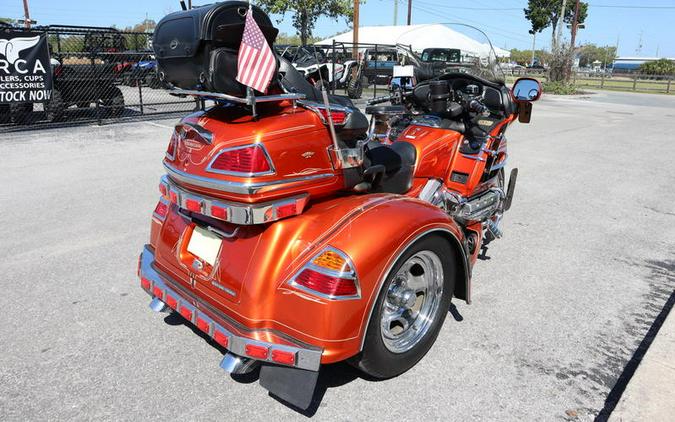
<point x="354" y="88"/>
<point x="115" y="101"/>
<point x="404" y="325"/>
<point x="55" y="108"/>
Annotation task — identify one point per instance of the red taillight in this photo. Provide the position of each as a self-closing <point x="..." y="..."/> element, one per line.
<point x="281" y="356"/>
<point x="246" y="160"/>
<point x="338" y="116"/>
<point x="219" y="212"/>
<point x="157" y="292"/>
<point x="287" y="210"/>
<point x="220" y="338"/>
<point x="193" y="205"/>
<point x="173" y="197"/>
<point x="258" y="352"/>
<point x="161" y="210"/>
<point x="163" y="189"/>
<point x="171" y="301"/>
<point x="186" y="313"/>
<point x="326" y="284"/>
<point x="203" y="325"/>
<point x="145" y="283"/>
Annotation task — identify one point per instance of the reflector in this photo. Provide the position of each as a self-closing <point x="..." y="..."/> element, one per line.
<point x="258" y="352"/>
<point x="203" y="325"/>
<point x="193" y="205"/>
<point x="220" y="338"/>
<point x="186" y="313"/>
<point x="284" y="357"/>
<point x="171" y="301"/>
<point x="145" y="283"/>
<point x="157" y="292"/>
<point x="161" y="210"/>
<point x="219" y="212"/>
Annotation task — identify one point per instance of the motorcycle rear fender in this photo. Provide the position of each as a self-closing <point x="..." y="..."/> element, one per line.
<point x="375" y="237"/>
<point x="373" y="230"/>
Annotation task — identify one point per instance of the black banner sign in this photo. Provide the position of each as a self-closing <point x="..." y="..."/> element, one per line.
<point x="25" y="69"/>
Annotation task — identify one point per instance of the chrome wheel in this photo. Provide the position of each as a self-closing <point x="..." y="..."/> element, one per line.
<point x="412" y="301"/>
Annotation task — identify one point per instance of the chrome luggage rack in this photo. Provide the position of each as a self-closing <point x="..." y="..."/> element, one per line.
<point x="248" y="100"/>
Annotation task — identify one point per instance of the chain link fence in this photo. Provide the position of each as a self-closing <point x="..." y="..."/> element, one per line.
<point x="100" y="75"/>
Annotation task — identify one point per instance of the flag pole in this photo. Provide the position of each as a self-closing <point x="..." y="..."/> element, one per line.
<point x="250" y="95"/>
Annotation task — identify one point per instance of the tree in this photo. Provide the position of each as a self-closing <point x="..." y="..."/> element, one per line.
<point x="588" y="53"/>
<point x="658" y="67"/>
<point x="8" y="21"/>
<point x="545" y="13"/>
<point x="306" y="12"/>
<point x="524" y="57"/>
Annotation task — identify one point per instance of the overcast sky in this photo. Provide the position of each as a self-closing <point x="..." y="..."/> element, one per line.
<point x="649" y="20"/>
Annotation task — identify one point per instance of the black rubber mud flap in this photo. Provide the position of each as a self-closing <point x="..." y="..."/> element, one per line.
<point x="293" y="385"/>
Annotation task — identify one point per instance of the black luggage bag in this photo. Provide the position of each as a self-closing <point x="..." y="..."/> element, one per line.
<point x="197" y="49"/>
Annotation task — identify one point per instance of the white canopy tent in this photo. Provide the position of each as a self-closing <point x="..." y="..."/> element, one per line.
<point x="418" y="37"/>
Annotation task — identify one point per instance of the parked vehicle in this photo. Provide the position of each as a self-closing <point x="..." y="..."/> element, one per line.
<point x="144" y="73"/>
<point x="289" y="235"/>
<point x="317" y="68"/>
<point x="84" y="86"/>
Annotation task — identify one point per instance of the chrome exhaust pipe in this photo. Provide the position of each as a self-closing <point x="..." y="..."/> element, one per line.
<point x="238" y="365"/>
<point x="159" y="306"/>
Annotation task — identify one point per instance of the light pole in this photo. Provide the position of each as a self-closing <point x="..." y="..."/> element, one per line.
<point x="409" y="12"/>
<point x="26" y="12"/>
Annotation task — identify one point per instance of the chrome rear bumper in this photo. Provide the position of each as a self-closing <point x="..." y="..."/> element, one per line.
<point x="263" y="345"/>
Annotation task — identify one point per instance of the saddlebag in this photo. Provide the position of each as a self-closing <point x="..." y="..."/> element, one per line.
<point x="197" y="49"/>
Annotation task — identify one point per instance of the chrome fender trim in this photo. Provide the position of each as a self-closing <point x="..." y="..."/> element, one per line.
<point x="245" y="188"/>
<point x="380" y="284"/>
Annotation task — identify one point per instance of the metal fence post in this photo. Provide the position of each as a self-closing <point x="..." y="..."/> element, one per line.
<point x="635" y="82"/>
<point x="602" y="81"/>
<point x="670" y="79"/>
<point x="140" y="94"/>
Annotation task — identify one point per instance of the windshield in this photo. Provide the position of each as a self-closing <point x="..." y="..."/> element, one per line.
<point x="464" y="48"/>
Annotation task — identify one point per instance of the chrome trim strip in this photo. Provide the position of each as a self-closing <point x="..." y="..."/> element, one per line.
<point x="237" y="212"/>
<point x="380" y="283"/>
<point x="238" y="187"/>
<point x="203" y="133"/>
<point x="308" y="357"/>
<point x="210" y="169"/>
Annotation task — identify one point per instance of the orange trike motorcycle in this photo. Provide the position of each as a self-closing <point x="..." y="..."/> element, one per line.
<point x="295" y="232"/>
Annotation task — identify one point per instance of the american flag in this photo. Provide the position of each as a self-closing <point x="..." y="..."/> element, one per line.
<point x="256" y="63"/>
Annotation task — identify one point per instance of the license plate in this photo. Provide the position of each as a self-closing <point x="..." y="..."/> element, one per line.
<point x="205" y="245"/>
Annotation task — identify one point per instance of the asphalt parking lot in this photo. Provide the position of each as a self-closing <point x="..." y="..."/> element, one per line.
<point x="586" y="263"/>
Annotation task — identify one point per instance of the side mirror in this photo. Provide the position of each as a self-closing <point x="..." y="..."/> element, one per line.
<point x="526" y="89"/>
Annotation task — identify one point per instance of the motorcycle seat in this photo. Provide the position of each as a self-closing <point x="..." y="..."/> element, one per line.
<point x="398" y="160"/>
<point x="293" y="81"/>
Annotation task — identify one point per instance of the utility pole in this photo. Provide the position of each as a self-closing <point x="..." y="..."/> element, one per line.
<point x="355" y="31"/>
<point x="395" y="12"/>
<point x="409" y="12"/>
<point x="575" y="25"/>
<point x="26" y="13"/>
<point x="561" y="22"/>
<point x="534" y="41"/>
<point x="189" y="4"/>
